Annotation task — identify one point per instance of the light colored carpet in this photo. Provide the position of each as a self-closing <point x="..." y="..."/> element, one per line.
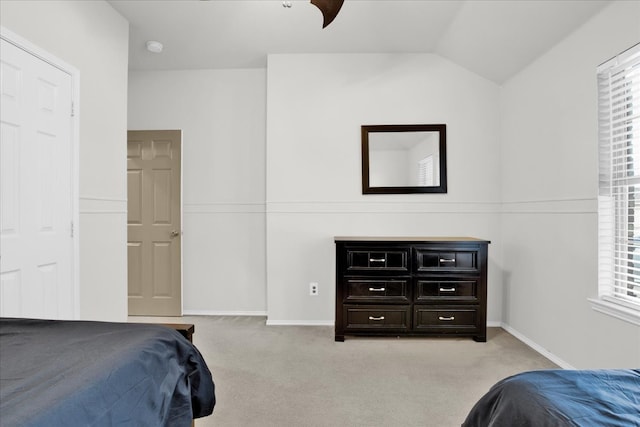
<point x="299" y="376"/>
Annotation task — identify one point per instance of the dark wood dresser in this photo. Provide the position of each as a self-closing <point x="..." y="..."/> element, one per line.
<point x="411" y="286"/>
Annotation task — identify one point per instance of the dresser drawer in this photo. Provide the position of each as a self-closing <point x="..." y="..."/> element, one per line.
<point x="377" y="290"/>
<point x="463" y="290"/>
<point x="379" y="259"/>
<point x="445" y="319"/>
<point x="377" y="318"/>
<point x="430" y="260"/>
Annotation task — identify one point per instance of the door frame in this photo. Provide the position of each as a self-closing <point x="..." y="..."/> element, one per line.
<point x="36" y="51"/>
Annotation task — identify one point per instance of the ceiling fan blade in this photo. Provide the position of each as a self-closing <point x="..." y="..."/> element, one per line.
<point x="329" y="9"/>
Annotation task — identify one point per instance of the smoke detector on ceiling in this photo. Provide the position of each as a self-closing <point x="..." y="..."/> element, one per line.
<point x="154" y="46"/>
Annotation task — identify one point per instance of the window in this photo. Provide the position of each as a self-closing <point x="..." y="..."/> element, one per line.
<point x="619" y="186"/>
<point x="425" y="172"/>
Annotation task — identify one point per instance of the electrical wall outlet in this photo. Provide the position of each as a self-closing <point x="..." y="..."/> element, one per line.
<point x="313" y="288"/>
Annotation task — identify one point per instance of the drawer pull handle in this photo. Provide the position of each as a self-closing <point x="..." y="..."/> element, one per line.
<point x="447" y="289"/>
<point x="377" y="259"/>
<point x="377" y="289"/>
<point x="447" y="319"/>
<point x="376" y="318"/>
<point x="447" y="260"/>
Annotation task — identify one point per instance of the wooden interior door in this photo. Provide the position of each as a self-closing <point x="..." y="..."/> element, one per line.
<point x="36" y="213"/>
<point x="154" y="223"/>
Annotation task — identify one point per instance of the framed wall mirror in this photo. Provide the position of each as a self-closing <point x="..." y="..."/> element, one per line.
<point x="404" y="159"/>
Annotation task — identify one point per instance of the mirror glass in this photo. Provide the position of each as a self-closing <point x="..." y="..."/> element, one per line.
<point x="401" y="159"/>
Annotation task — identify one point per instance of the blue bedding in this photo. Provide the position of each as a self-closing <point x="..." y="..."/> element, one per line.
<point x="561" y="398"/>
<point x="74" y="373"/>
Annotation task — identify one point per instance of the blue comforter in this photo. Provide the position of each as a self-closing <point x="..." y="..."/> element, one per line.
<point x="73" y="373"/>
<point x="561" y="398"/>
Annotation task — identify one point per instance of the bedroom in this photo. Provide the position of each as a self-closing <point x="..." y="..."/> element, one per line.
<point x="543" y="227"/>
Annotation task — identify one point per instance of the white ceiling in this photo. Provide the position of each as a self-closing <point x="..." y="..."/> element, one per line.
<point x="493" y="38"/>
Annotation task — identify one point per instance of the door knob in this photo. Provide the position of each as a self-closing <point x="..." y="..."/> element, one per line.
<point x="175" y="233"/>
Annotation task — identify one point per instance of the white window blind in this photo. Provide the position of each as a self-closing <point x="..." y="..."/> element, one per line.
<point x="619" y="179"/>
<point x="425" y="171"/>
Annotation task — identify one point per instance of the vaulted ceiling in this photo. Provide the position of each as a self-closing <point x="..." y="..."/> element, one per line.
<point x="493" y="38"/>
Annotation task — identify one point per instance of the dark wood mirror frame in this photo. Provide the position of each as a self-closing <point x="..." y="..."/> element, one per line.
<point x="441" y="129"/>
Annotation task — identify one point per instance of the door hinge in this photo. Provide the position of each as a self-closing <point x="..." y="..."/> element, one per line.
<point x="73" y="110"/>
<point x="71" y="229"/>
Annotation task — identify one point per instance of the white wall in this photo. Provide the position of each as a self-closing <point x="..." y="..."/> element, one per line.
<point x="222" y="116"/>
<point x="549" y="190"/>
<point x="92" y="37"/>
<point x="544" y="234"/>
<point x="315" y="107"/>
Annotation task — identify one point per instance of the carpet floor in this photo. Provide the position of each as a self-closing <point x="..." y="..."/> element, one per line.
<point x="299" y="376"/>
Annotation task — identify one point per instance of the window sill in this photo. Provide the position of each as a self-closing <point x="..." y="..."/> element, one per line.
<point x="616" y="310"/>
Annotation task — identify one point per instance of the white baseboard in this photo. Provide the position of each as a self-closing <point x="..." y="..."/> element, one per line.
<point x="222" y="313"/>
<point x="300" y="322"/>
<point x="490" y="324"/>
<point x="555" y="359"/>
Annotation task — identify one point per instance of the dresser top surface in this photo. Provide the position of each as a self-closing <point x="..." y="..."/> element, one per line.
<point x="407" y="239"/>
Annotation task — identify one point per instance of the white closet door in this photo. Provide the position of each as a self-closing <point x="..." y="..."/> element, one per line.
<point x="36" y="244"/>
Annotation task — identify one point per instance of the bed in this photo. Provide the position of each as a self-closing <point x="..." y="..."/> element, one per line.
<point x="561" y="398"/>
<point x="79" y="373"/>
